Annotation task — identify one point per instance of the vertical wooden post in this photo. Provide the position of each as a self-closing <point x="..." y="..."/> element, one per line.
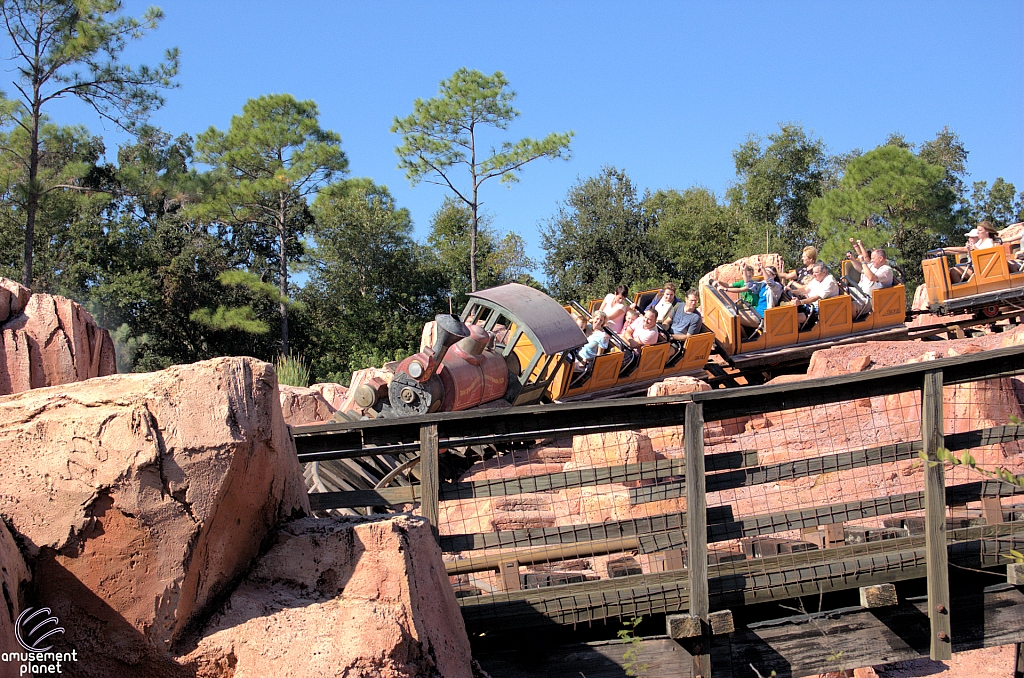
<point x="1018" y="669"/>
<point x="429" y="477"/>
<point x="935" y="518"/>
<point x="697" y="531"/>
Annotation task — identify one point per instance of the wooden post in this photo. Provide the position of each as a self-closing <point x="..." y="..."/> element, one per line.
<point x="1018" y="669"/>
<point x="697" y="531"/>
<point x="935" y="518"/>
<point x="429" y="477"/>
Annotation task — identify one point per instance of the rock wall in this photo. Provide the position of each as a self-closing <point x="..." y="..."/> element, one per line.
<point x="48" y="340"/>
<point x="140" y="499"/>
<point x="347" y="597"/>
<point x="304" y="405"/>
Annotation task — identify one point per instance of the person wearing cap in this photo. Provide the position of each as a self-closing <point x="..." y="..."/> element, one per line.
<point x="981" y="238"/>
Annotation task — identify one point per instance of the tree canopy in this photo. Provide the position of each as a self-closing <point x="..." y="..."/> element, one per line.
<point x="441" y="144"/>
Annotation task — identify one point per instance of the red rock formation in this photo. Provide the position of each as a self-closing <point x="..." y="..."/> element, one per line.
<point x="728" y="273"/>
<point x="142" y="498"/>
<point x="303" y="405"/>
<point x="48" y="340"/>
<point x="14" y="577"/>
<point x="334" y="394"/>
<point x="345" y="597"/>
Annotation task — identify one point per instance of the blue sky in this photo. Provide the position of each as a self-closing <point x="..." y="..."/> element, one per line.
<point x="665" y="90"/>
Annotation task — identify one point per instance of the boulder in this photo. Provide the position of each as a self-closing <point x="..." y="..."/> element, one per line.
<point x="14" y="578"/>
<point x="303" y="405"/>
<point x="140" y="499"/>
<point x="340" y="597"/>
<point x="677" y="386"/>
<point x="729" y="273"/>
<point x="13" y="298"/>
<point x="371" y="376"/>
<point x="610" y="449"/>
<point x="334" y="394"/>
<point x="50" y="340"/>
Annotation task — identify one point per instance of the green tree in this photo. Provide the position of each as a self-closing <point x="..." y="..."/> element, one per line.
<point x="600" y="238"/>
<point x="68" y="224"/>
<point x="440" y="139"/>
<point x="68" y="48"/>
<point x="272" y="158"/>
<point x="777" y="178"/>
<point x="693" y="230"/>
<point x="888" y="196"/>
<point x="1000" y="204"/>
<point x="371" y="286"/>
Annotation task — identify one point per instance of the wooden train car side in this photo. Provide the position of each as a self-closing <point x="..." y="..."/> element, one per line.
<point x="991" y="286"/>
<point x="781" y="327"/>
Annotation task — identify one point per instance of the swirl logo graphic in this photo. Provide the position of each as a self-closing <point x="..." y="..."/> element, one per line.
<point x="32" y="628"/>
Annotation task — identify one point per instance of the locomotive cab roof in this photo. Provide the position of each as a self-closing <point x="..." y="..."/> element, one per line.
<point x="542" y="318"/>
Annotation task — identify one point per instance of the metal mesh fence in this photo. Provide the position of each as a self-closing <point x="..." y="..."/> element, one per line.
<point x="594" y="526"/>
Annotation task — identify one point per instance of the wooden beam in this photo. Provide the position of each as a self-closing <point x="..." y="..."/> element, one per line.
<point x="792" y="646"/>
<point x="935" y="517"/>
<point x="697" y="531"/>
<point x="430" y="479"/>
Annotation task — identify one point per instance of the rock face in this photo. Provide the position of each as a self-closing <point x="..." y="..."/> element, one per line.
<point x="728" y="273"/>
<point x="140" y="499"/>
<point x="14" y="578"/>
<point x="333" y="393"/>
<point x="340" y="597"/>
<point x="304" y="405"/>
<point x="48" y="340"/>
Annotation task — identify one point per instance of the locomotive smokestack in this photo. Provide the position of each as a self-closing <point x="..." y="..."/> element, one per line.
<point x="449" y="330"/>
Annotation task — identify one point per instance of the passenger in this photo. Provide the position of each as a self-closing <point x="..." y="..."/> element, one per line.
<point x="687" y="320"/>
<point x="803" y="273"/>
<point x="598" y="341"/>
<point x="821" y="286"/>
<point x="644" y="330"/>
<point x="875" y="274"/>
<point x="631" y="323"/>
<point x="746" y="295"/>
<point x="614" y="307"/>
<point x="665" y="302"/>
<point x="762" y="295"/>
<point x="981" y="238"/>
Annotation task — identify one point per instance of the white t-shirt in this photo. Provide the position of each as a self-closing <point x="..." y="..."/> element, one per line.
<point x="884" y="275"/>
<point x="663" y="308"/>
<point x="984" y="244"/>
<point x="824" y="289"/>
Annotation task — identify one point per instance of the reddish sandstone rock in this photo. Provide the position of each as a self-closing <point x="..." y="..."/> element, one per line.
<point x="370" y="375"/>
<point x="13" y="297"/>
<point x="729" y="273"/>
<point x="303" y="405"/>
<point x="334" y="394"/>
<point x="142" y="498"/>
<point x="677" y="386"/>
<point x="340" y="597"/>
<point x="610" y="449"/>
<point x="49" y="340"/>
<point x="14" y="577"/>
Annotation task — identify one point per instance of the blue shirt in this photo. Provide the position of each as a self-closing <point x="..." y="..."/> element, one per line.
<point x="686" y="323"/>
<point x="597" y="340"/>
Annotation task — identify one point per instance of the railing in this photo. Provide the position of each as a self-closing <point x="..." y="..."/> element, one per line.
<point x="711" y="499"/>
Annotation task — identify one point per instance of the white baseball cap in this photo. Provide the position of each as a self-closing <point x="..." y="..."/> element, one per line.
<point x="973" y="233"/>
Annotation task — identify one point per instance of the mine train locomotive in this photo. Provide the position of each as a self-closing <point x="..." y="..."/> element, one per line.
<point x="508" y="347"/>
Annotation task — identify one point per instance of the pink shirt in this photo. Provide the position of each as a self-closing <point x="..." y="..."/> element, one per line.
<point x="642" y="335"/>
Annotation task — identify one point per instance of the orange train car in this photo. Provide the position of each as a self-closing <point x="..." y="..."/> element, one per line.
<point x="992" y="288"/>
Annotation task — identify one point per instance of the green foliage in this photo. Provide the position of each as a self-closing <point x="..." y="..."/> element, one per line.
<point x="600" y="238"/>
<point x="371" y="286"/>
<point x="291" y="370"/>
<point x="631" y="658"/>
<point x="272" y="157"/>
<point x="1000" y="204"/>
<point x="778" y="177"/>
<point x="440" y="141"/>
<point x="65" y="48"/>
<point x="693" y="231"/>
<point x="888" y="196"/>
<point x="499" y="261"/>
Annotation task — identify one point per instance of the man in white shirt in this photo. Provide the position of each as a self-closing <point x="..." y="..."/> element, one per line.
<point x="875" y="274"/>
<point x="821" y="286"/>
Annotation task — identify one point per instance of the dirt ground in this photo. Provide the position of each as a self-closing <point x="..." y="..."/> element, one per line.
<point x="992" y="662"/>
